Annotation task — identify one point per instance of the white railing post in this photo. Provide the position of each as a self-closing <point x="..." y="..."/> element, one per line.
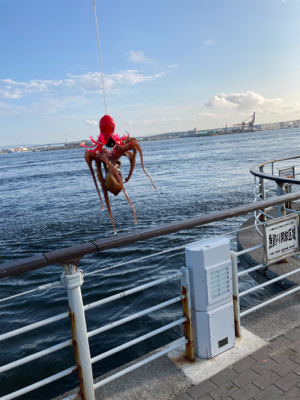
<point x="72" y="279"/>
<point x="187" y="313"/>
<point x="236" y="295"/>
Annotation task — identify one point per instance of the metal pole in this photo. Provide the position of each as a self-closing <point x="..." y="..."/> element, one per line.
<point x="262" y="193"/>
<point x="280" y="207"/>
<point x="187" y="313"/>
<point x="288" y="189"/>
<point x="72" y="280"/>
<point x="236" y="296"/>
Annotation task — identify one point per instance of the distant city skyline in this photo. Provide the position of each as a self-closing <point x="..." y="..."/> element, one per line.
<point x="168" y="66"/>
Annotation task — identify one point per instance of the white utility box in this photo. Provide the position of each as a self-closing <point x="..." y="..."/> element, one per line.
<point x="209" y="265"/>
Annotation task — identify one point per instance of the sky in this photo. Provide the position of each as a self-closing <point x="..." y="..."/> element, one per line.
<point x="169" y="66"/>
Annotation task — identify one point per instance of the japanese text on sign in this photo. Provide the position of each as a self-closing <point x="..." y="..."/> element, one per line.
<point x="281" y="238"/>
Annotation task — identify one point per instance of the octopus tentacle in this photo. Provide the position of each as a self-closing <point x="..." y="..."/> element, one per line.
<point x="102" y="182"/>
<point x="132" y="158"/>
<point x="136" y="144"/>
<point x="119" y="179"/>
<point x="105" y="168"/>
<point x="89" y="158"/>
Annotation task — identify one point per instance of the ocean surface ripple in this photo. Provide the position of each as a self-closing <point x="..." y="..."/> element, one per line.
<point x="48" y="202"/>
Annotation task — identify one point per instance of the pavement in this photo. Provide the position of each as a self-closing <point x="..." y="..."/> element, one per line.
<point x="272" y="372"/>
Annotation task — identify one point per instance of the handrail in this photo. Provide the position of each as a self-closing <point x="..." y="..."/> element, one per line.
<point x="255" y="170"/>
<point x="76" y="252"/>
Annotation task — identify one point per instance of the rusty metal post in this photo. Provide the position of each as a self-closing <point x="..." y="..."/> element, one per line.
<point x="187" y="313"/>
<point x="288" y="189"/>
<point x="235" y="295"/>
<point x="72" y="279"/>
<point x="280" y="207"/>
<point x="262" y="193"/>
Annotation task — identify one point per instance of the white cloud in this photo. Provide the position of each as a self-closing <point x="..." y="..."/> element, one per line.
<point x="212" y="116"/>
<point x="243" y="104"/>
<point x="209" y="42"/>
<point x="87" y="83"/>
<point x="91" y="122"/>
<point x="247" y="100"/>
<point x="15" y="90"/>
<point x="132" y="77"/>
<point x="49" y="96"/>
<point x="294" y="107"/>
<point x="173" y="66"/>
<point x="172" y="120"/>
<point x="139" y="57"/>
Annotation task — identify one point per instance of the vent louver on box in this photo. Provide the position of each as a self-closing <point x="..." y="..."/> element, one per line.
<point x="219" y="281"/>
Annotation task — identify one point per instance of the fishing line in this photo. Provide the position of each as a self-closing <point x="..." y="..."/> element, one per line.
<point x="94" y="3"/>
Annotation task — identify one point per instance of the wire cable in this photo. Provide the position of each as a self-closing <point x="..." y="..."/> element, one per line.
<point x="94" y="3"/>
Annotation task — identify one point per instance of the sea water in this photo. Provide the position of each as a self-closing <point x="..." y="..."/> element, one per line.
<point x="48" y="202"/>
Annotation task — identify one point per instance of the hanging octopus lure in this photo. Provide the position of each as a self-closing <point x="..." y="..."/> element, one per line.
<point x="109" y="156"/>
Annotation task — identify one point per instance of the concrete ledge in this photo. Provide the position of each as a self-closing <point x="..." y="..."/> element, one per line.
<point x="203" y="369"/>
<point x="161" y="379"/>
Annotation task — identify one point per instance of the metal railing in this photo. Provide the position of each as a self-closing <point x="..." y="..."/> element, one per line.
<point x="72" y="279"/>
<point x="270" y="184"/>
<point x="235" y="285"/>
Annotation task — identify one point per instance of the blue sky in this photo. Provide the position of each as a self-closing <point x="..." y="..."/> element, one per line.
<point x="169" y="65"/>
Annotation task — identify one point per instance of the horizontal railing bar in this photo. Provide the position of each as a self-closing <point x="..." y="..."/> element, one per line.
<point x="32" y="357"/>
<point x="258" y="196"/>
<point x="34" y="326"/>
<point x="267" y="215"/>
<point x="51" y="285"/>
<point x="141" y="363"/>
<point x="172" y="249"/>
<point x="131" y="291"/>
<point x="75" y="252"/>
<point x="87" y="307"/>
<point x="73" y="396"/>
<point x="280" y="296"/>
<point x="137" y="340"/>
<point x="287" y="166"/>
<point x="269" y="208"/>
<point x="255" y="170"/>
<point x="269" y="282"/>
<point x="292" y="211"/>
<point x="18" y="295"/>
<point x="240" y="253"/>
<point x="39" y="384"/>
<point x="247" y="271"/>
<point x="258" y="231"/>
<point x="134" y="316"/>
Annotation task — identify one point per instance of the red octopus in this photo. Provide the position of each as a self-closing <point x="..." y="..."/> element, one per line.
<point x="112" y="180"/>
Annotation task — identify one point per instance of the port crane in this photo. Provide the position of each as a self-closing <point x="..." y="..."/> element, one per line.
<point x="250" y="123"/>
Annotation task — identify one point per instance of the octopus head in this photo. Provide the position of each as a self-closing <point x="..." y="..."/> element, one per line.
<point x="107" y="128"/>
